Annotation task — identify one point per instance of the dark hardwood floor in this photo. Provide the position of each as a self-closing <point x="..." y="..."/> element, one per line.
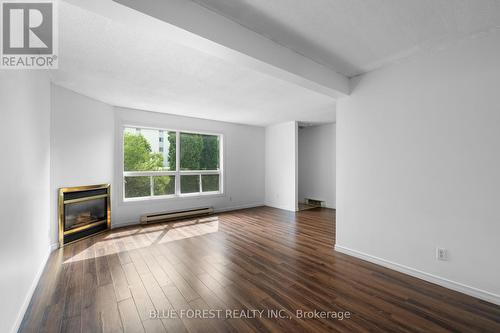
<point x="254" y="259"/>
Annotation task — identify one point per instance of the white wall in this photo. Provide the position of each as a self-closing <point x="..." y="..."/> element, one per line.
<point x="24" y="190"/>
<point x="243" y="153"/>
<point x="86" y="130"/>
<point x="316" y="166"/>
<point x="82" y="141"/>
<point x="418" y="165"/>
<point x="281" y="166"/>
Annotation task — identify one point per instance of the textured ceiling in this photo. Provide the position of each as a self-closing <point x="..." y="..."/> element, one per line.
<point x="357" y="36"/>
<point x="139" y="67"/>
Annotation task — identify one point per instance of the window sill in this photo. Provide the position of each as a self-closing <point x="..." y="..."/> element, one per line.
<point x="173" y="197"/>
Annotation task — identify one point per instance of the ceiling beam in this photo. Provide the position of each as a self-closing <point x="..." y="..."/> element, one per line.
<point x="197" y="27"/>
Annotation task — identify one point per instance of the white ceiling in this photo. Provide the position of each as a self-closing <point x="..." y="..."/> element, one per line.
<point x="134" y="63"/>
<point x="357" y="36"/>
<point x="139" y="67"/>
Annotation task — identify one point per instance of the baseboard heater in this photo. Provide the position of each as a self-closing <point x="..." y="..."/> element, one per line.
<point x="168" y="216"/>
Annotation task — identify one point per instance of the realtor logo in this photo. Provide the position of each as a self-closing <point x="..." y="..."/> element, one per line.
<point x="28" y="35"/>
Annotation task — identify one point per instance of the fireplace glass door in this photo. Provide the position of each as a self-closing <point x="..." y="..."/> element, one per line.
<point x="83" y="213"/>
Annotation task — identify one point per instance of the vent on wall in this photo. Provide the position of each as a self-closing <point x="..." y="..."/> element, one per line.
<point x="168" y="216"/>
<point x="314" y="202"/>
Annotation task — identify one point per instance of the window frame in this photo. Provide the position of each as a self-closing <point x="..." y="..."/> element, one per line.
<point x="177" y="173"/>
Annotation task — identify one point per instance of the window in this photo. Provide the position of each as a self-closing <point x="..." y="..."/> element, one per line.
<point x="164" y="163"/>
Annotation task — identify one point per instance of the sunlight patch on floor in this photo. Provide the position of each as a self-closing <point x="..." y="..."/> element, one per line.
<point x="137" y="238"/>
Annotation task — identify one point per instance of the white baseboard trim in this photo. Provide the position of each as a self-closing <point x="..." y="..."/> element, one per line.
<point x="31" y="290"/>
<point x="228" y="209"/>
<point x="443" y="282"/>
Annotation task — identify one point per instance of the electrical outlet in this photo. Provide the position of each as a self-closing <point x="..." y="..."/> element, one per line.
<point x="441" y="254"/>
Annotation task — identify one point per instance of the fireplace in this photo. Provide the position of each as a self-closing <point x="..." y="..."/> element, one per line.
<point x="83" y="211"/>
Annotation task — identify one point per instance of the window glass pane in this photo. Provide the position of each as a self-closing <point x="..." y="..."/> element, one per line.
<point x="190" y="184"/>
<point x="148" y="150"/>
<point x="210" y="183"/>
<point x="164" y="185"/>
<point x="137" y="187"/>
<point x="199" y="152"/>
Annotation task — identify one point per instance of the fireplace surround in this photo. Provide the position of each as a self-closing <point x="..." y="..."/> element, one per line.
<point x="83" y="211"/>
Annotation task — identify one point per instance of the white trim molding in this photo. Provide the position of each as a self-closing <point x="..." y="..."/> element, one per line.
<point x="239" y="207"/>
<point x="443" y="282"/>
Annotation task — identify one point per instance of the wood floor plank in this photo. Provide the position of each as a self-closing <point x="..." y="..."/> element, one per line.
<point x="148" y="278"/>
<point x="120" y="282"/>
<point x="130" y="318"/>
<point x="108" y="309"/>
<point x="71" y="325"/>
<point x="103" y="272"/>
<point x="53" y="321"/>
<point x="154" y="326"/>
<point x="142" y="301"/>
<point x="155" y="293"/>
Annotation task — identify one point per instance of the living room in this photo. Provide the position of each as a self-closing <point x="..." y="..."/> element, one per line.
<point x="211" y="165"/>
